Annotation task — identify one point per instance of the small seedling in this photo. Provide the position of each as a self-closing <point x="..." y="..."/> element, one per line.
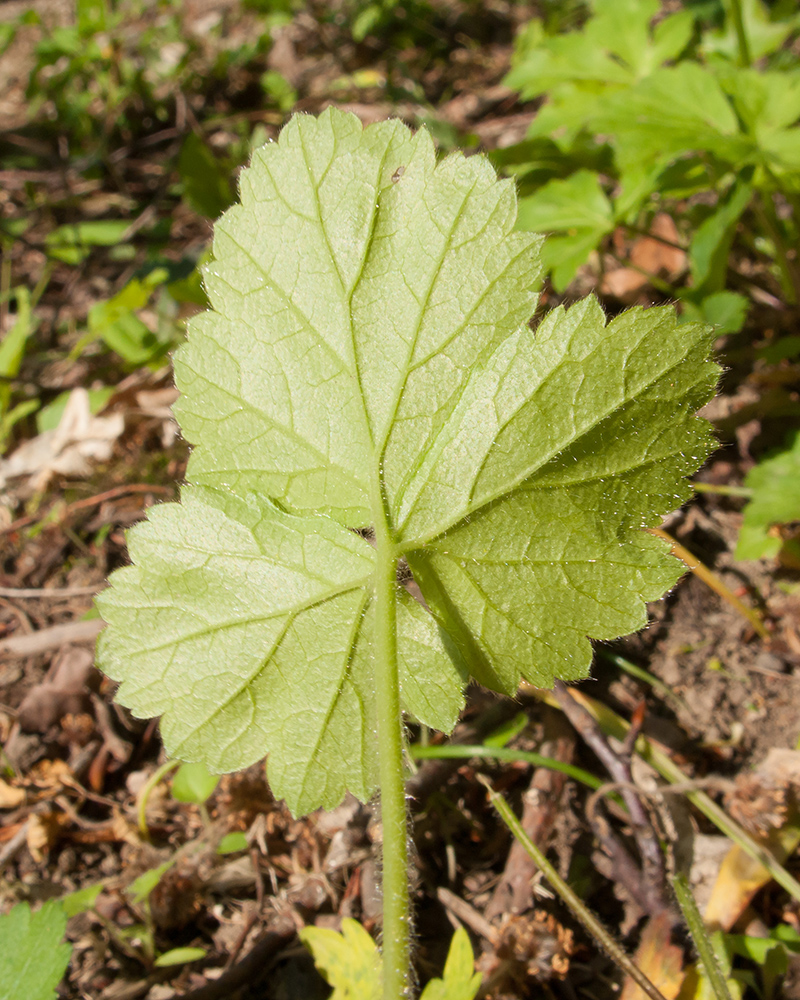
<point x="366" y="399"/>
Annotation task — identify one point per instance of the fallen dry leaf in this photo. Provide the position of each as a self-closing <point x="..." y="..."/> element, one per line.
<point x="649" y="254"/>
<point x="79" y="439"/>
<point x="766" y="802"/>
<point x="659" y="959"/>
<point x="10" y="796"/>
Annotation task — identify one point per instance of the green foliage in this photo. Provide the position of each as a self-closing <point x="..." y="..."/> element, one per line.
<point x="179" y="956"/>
<point x="33" y="957"/>
<point x="775" y="483"/>
<point x="193" y="783"/>
<point x="349" y="961"/>
<point x="351" y="964"/>
<point x="674" y="109"/>
<point x="206" y="184"/>
<point x="12" y="351"/>
<point x="232" y="843"/>
<point x="368" y="357"/>
<point x="460" y="980"/>
<point x="103" y="83"/>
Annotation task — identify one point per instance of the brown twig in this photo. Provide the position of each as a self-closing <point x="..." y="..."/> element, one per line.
<point x="53" y="592"/>
<point x="112" y="494"/>
<point x="514" y="892"/>
<point x="653" y="871"/>
<point x="52" y="637"/>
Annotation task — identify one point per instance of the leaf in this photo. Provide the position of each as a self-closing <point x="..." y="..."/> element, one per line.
<point x="232" y="843"/>
<point x="142" y="886"/>
<point x="33" y="956"/>
<point x="460" y="981"/>
<point x="349" y="961"/>
<point x="764" y="35"/>
<point x="578" y="205"/>
<point x="676" y="110"/>
<point x="725" y="311"/>
<point x="193" y="783"/>
<point x="179" y="956"/>
<point x="775" y="482"/>
<point x="659" y="959"/>
<point x="82" y="899"/>
<point x="368" y="357"/>
<point x="49" y="417"/>
<point x="711" y="243"/>
<point x="206" y="187"/>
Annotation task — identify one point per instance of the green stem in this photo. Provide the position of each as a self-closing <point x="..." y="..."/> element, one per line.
<point x="768" y="217"/>
<point x="741" y="34"/>
<point x="700" y="936"/>
<point x="723" y="491"/>
<point x="147" y="788"/>
<point x="463" y="751"/>
<point x="396" y="916"/>
<point x="578" y="907"/>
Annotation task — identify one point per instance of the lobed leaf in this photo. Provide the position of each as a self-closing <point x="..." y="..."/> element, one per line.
<point x="33" y="954"/>
<point x="368" y="355"/>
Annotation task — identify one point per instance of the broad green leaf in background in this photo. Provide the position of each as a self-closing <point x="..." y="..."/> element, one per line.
<point x="33" y="955"/>
<point x="206" y="184"/>
<point x="775" y="482"/>
<point x="577" y="206"/>
<point x="725" y="311"/>
<point x="764" y="35"/>
<point x="368" y="360"/>
<point x="614" y="51"/>
<point x="711" y="243"/>
<point x="674" y="111"/>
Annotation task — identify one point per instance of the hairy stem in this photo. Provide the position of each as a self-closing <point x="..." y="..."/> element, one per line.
<point x="701" y="937"/>
<point x="581" y="911"/>
<point x="396" y="926"/>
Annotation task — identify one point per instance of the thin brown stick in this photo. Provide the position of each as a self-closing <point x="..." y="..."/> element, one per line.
<point x="53" y="592"/>
<point x="540" y="805"/>
<point x="653" y="870"/>
<point x="52" y="638"/>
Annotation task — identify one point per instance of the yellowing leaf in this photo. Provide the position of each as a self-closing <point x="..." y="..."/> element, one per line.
<point x="349" y="961"/>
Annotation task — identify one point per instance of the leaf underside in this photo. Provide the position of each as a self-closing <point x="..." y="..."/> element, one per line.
<point x="368" y="346"/>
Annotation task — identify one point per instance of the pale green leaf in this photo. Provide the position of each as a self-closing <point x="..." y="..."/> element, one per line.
<point x="33" y="957"/>
<point x="82" y="899"/>
<point x="231" y="843"/>
<point x="349" y="961"/>
<point x="193" y="783"/>
<point x="368" y="355"/>
<point x="179" y="956"/>
<point x="775" y="482"/>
